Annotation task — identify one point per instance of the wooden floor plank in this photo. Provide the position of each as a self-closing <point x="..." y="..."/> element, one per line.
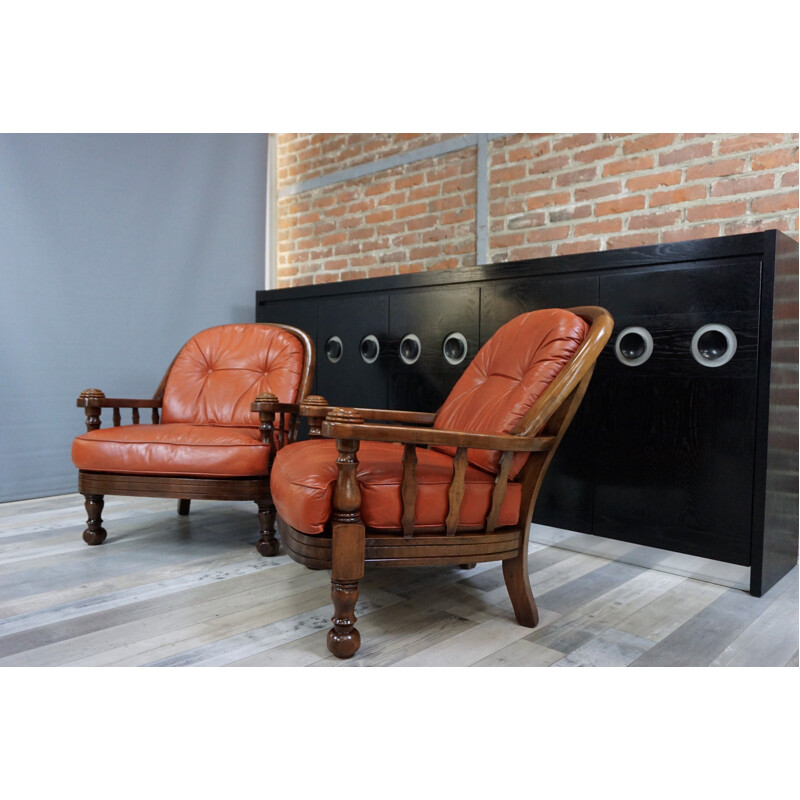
<point x="591" y="619"/>
<point x="521" y="653"/>
<point x="178" y="591"/>
<point x="179" y="633"/>
<point x="667" y="613"/>
<point x="467" y="647"/>
<point x="225" y="650"/>
<point x="770" y="639"/>
<point x="95" y="633"/>
<point x="581" y="590"/>
<point x="612" y="648"/>
<point x="702" y="638"/>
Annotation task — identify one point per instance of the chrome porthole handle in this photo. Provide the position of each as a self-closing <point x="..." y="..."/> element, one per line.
<point x="454" y="348"/>
<point x="334" y="349"/>
<point x="370" y="348"/>
<point x="410" y="348"/>
<point x="633" y="346"/>
<point x="713" y="345"/>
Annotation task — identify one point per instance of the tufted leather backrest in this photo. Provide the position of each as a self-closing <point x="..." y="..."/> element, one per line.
<point x="507" y="376"/>
<point x="219" y="372"/>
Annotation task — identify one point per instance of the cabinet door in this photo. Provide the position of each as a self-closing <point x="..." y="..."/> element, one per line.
<point x="431" y="315"/>
<point x="345" y="376"/>
<point x="565" y="499"/>
<point x="675" y="436"/>
<point x="298" y="313"/>
<point x="503" y="300"/>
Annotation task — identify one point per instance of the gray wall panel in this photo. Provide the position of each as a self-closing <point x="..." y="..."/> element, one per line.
<point x="114" y="250"/>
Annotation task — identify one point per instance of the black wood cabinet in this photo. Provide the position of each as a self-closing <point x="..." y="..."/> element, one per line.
<point x="687" y="439"/>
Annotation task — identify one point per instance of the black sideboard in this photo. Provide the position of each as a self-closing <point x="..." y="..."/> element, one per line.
<point x="687" y="439"/>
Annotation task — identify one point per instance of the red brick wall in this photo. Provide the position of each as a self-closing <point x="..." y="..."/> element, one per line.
<point x="548" y="194"/>
<point x="302" y="156"/>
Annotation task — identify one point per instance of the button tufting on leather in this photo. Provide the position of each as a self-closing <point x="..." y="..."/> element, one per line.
<point x="507" y="376"/>
<point x="248" y="357"/>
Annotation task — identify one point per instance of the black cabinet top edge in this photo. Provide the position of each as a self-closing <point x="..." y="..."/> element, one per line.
<point x="744" y="244"/>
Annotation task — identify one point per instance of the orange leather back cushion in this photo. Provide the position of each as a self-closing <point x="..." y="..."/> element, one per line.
<point x="507" y="376"/>
<point x="219" y="372"/>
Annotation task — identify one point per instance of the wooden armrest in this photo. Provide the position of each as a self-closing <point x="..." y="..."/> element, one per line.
<point x="361" y="431"/>
<point x="418" y="418"/>
<point x="316" y="407"/>
<point x="92" y="401"/>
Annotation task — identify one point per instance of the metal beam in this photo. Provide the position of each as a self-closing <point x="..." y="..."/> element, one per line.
<point x="482" y="201"/>
<point x="271" y="228"/>
<point x="399" y="160"/>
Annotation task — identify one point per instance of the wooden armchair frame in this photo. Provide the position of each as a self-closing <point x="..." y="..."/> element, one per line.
<point x="347" y="546"/>
<point x="95" y="485"/>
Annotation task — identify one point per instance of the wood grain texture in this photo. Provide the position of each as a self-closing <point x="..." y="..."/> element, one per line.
<point x="192" y="591"/>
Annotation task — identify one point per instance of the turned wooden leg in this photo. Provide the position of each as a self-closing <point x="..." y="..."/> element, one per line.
<point x="267" y="545"/>
<point x="347" y="545"/>
<point x="344" y="638"/>
<point x="95" y="533"/>
<point x="515" y="572"/>
<point x="183" y="507"/>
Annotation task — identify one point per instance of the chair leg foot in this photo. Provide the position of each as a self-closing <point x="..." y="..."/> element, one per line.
<point x="471" y="565"/>
<point x="95" y="533"/>
<point x="183" y="506"/>
<point x="267" y="545"/>
<point x="344" y="638"/>
<point x="515" y="573"/>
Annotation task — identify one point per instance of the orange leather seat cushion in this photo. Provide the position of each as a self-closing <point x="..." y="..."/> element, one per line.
<point x="173" y="449"/>
<point x="507" y="377"/>
<point x="304" y="476"/>
<point x="219" y="372"/>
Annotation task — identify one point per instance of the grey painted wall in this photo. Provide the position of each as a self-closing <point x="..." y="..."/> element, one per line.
<point x="114" y="250"/>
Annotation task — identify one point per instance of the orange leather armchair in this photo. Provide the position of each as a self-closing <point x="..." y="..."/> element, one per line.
<point x="455" y="487"/>
<point x="213" y="434"/>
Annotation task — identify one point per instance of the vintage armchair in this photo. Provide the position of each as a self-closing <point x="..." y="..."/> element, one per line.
<point x="213" y="434"/>
<point x="454" y="487"/>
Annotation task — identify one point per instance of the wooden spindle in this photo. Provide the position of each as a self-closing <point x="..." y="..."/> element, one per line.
<point x="154" y="417"/>
<point x="267" y="422"/>
<point x="456" y="494"/>
<point x="499" y="491"/>
<point x="409" y="488"/>
<point x="281" y="430"/>
<point x="115" y="418"/>
<point x="135" y="415"/>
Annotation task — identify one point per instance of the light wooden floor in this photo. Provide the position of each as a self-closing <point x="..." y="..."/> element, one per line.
<point x="166" y="590"/>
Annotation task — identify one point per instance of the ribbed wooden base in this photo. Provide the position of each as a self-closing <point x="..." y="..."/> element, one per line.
<point x="169" y="486"/>
<point x="392" y="549"/>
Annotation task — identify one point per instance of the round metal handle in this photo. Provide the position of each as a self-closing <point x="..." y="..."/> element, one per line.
<point x="370" y="348"/>
<point x="633" y="346"/>
<point x="410" y="348"/>
<point x="455" y="348"/>
<point x="333" y="349"/>
<point x="713" y="345"/>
